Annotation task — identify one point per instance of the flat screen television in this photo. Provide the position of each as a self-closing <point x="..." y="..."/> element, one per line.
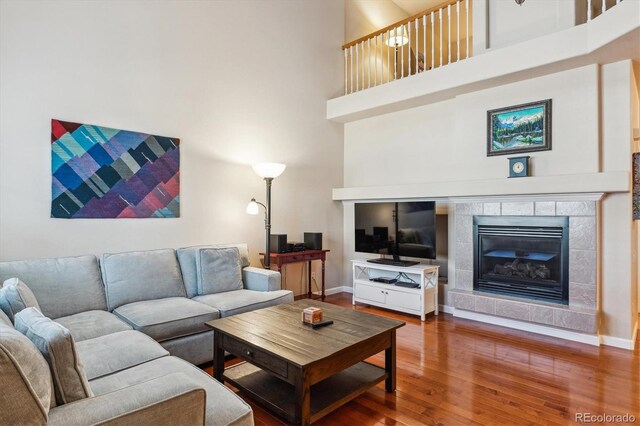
<point x="396" y="229"/>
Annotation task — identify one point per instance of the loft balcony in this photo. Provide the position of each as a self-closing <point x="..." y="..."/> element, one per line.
<point x="468" y="45"/>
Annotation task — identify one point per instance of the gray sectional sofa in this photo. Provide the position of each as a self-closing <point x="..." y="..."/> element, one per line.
<point x="137" y="326"/>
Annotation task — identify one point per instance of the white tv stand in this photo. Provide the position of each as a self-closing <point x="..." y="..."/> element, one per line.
<point x="417" y="301"/>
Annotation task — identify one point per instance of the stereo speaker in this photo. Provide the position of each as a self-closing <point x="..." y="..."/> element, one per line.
<point x="313" y="240"/>
<point x="278" y="243"/>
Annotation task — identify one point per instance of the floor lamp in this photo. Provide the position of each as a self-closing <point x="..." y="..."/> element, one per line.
<point x="398" y="37"/>
<point x="267" y="171"/>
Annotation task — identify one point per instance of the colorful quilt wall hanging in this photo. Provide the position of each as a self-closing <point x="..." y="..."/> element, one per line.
<point x="99" y="172"/>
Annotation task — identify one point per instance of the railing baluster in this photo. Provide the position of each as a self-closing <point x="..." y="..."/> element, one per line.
<point x="351" y="63"/>
<point x="449" y="35"/>
<point x="375" y="62"/>
<point x="417" y="54"/>
<point x="369" y="63"/>
<point x="402" y="54"/>
<point x="588" y="10"/>
<point x="604" y="7"/>
<point x="433" y="43"/>
<point x="440" y="64"/>
<point x="388" y="57"/>
<point x="345" y="71"/>
<point x="357" y="68"/>
<point x="409" y="49"/>
<point x="458" y="30"/>
<point x="424" y="41"/>
<point x="362" y="45"/>
<point x="466" y="5"/>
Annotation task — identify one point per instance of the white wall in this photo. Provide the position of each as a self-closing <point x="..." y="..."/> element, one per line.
<point x="499" y="23"/>
<point x="447" y="140"/>
<point x="237" y="82"/>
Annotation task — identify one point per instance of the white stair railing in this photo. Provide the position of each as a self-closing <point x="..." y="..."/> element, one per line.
<point x="428" y="40"/>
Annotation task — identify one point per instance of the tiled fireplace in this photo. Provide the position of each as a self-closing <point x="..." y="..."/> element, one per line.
<point x="522" y="256"/>
<point x="553" y="280"/>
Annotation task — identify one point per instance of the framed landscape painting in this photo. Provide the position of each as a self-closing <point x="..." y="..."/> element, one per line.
<point x="519" y="128"/>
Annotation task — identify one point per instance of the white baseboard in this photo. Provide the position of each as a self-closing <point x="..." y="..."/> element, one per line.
<point x="447" y="309"/>
<point x="618" y="342"/>
<point x="335" y="290"/>
<point x="526" y="326"/>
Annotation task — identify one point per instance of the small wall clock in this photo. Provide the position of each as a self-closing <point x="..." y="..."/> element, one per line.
<point x="519" y="166"/>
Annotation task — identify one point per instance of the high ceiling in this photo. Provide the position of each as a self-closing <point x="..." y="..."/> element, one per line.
<point x="413" y="7"/>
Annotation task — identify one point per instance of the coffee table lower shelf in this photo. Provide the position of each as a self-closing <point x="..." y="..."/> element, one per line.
<point x="277" y="395"/>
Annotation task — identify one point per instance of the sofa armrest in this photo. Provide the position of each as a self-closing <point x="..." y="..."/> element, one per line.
<point x="260" y="279"/>
<point x="171" y="399"/>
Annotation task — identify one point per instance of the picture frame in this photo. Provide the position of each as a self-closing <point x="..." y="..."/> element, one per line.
<point x="519" y="128"/>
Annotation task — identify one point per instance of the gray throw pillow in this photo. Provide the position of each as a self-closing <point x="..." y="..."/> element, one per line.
<point x="16" y="296"/>
<point x="56" y="344"/>
<point x="218" y="270"/>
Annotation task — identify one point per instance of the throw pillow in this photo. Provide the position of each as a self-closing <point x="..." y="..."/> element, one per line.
<point x="56" y="344"/>
<point x="16" y="296"/>
<point x="218" y="270"/>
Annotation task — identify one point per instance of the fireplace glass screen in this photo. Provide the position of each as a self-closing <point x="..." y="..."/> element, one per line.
<point x="522" y="256"/>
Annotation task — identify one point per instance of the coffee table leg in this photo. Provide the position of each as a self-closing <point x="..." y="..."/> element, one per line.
<point x="390" y="364"/>
<point x="218" y="357"/>
<point x="302" y="401"/>
<point x="322" y="279"/>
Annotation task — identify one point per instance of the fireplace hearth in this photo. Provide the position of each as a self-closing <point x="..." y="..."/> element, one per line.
<point x="522" y="256"/>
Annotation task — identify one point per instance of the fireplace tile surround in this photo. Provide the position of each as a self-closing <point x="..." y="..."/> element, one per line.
<point x="581" y="313"/>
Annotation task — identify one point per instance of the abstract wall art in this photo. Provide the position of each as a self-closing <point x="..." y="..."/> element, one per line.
<point x="99" y="172"/>
<point x="519" y="128"/>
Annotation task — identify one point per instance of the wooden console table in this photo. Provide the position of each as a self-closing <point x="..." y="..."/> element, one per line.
<point x="281" y="259"/>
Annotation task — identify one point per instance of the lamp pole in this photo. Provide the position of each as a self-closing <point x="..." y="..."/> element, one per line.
<point x="267" y="225"/>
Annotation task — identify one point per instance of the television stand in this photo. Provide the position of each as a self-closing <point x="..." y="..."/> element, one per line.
<point x="391" y="262"/>
<point x="377" y="285"/>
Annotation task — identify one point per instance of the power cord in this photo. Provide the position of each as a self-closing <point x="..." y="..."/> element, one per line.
<point x="403" y="275"/>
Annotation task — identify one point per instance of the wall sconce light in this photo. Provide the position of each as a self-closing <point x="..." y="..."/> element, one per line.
<point x="267" y="171"/>
<point x="519" y="2"/>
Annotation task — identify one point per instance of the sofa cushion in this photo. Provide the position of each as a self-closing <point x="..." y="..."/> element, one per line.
<point x="63" y="286"/>
<point x="165" y="319"/>
<point x="218" y="270"/>
<point x="16" y="296"/>
<point x="4" y="319"/>
<point x="57" y="345"/>
<point x="116" y="352"/>
<point x="141" y="275"/>
<point x="239" y="301"/>
<point x="223" y="406"/>
<point x="25" y="372"/>
<point x="91" y="324"/>
<point x="187" y="258"/>
<point x="196" y="348"/>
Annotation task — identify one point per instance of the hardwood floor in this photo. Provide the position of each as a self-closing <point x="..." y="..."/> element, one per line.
<point x="452" y="371"/>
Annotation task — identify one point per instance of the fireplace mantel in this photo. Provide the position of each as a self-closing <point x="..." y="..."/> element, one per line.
<point x="556" y="187"/>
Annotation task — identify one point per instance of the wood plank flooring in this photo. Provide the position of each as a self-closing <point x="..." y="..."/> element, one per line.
<point x="452" y="371"/>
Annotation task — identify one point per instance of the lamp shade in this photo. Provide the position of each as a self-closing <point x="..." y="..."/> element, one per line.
<point x="269" y="170"/>
<point x="397" y="37"/>
<point x="252" y="207"/>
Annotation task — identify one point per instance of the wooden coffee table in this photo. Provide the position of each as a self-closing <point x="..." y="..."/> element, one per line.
<point x="299" y="373"/>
